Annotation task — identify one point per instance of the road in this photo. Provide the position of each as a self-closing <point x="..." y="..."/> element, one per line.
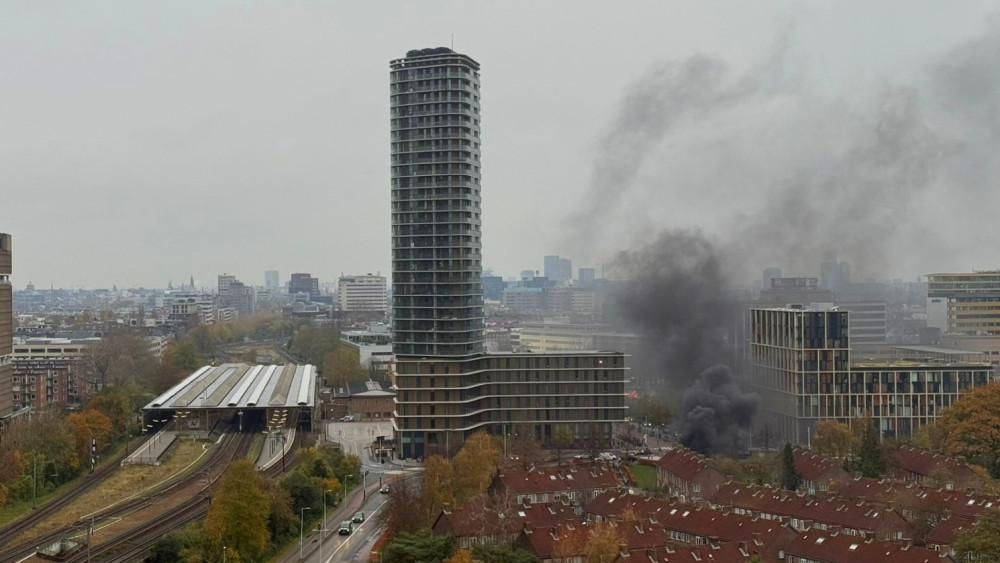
<point x="354" y="437"/>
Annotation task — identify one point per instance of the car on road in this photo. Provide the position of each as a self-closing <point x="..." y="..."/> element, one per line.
<point x="359" y="517"/>
<point x="346" y="527"/>
<point x="384" y="490"/>
<point x="348" y="418"/>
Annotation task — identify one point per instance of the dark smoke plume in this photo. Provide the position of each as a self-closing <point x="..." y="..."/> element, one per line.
<point x="677" y="296"/>
<point x="715" y="411"/>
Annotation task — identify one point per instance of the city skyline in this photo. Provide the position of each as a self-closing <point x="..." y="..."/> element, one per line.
<point x="169" y="154"/>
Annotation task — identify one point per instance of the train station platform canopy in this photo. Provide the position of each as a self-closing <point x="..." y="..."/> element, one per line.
<point x="242" y="386"/>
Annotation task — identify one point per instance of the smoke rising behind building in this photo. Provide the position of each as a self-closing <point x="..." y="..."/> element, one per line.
<point x="792" y="178"/>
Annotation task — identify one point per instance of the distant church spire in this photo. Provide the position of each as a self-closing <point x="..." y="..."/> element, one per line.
<point x="170" y="285"/>
<point x="192" y="282"/>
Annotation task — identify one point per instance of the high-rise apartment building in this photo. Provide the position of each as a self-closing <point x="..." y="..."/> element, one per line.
<point x="366" y="293"/>
<point x="271" y="282"/>
<point x="801" y="364"/>
<point x="6" y="329"/>
<point x="447" y="386"/>
<point x="964" y="303"/>
<point x="798" y="356"/>
<point x="436" y="225"/>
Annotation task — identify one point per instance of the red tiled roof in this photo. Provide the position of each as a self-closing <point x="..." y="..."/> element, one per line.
<point x="557" y="479"/>
<point x="568" y="540"/>
<point x="946" y="531"/>
<point x="841" y="548"/>
<point x="830" y="511"/>
<point x="614" y="503"/>
<point x="813" y="467"/>
<point x="927" y="464"/>
<point x="477" y="520"/>
<point x="724" y="552"/>
<point x="684" y="463"/>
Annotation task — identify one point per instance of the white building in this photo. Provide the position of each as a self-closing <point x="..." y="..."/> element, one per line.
<point x="362" y="293"/>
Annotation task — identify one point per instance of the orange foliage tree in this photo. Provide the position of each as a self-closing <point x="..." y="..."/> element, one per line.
<point x="971" y="427"/>
<point x="86" y="426"/>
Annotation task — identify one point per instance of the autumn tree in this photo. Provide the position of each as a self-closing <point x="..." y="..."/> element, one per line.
<point x="602" y="543"/>
<point x="87" y="426"/>
<point x="492" y="553"/>
<point x="790" y="478"/>
<point x="342" y="365"/>
<point x="239" y="514"/>
<point x="474" y="466"/>
<point x="405" y="509"/>
<point x="833" y="439"/>
<point x="648" y="408"/>
<point x="460" y="556"/>
<point x="970" y="428"/>
<point x="439" y="486"/>
<point x="981" y="542"/>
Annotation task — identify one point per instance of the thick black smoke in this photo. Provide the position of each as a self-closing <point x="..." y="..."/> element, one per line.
<point x="678" y="297"/>
<point x="716" y="410"/>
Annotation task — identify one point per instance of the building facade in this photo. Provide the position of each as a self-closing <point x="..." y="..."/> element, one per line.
<point x="436" y="225"/>
<point x="447" y="386"/>
<point x="303" y="283"/>
<point x="271" y="282"/>
<point x="6" y="329"/>
<point x="801" y="363"/>
<point x="964" y="303"/>
<point x="557" y="269"/>
<point x="793" y="354"/>
<point x="440" y="401"/>
<point x="365" y="293"/>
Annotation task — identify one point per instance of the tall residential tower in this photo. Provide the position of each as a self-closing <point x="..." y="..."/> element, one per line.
<point x="437" y="290"/>
<point x="447" y="386"/>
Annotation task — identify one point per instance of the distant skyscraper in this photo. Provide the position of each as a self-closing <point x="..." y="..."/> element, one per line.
<point x="225" y="280"/>
<point x="303" y="283"/>
<point x="587" y="276"/>
<point x="271" y="280"/>
<point x="559" y="270"/>
<point x="6" y="329"/>
<point x="437" y="291"/>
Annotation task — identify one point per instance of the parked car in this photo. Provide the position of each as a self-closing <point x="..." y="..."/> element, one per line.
<point x="348" y="418"/>
<point x="359" y="517"/>
<point x="384" y="490"/>
<point x="346" y="527"/>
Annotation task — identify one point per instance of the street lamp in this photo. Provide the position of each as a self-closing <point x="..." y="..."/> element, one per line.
<point x="302" y="512"/>
<point x="223" y="554"/>
<point x="322" y="526"/>
<point x="241" y="420"/>
<point x="347" y="481"/>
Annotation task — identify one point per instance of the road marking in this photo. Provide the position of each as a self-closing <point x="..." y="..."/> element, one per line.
<point x="352" y="536"/>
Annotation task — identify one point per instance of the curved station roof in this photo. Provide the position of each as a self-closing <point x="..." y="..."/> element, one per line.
<point x="242" y="386"/>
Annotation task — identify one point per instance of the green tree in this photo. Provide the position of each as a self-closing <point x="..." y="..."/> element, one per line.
<point x="790" y="478"/>
<point x="871" y="459"/>
<point x="981" y="542"/>
<point x="239" y="514"/>
<point x="422" y="547"/>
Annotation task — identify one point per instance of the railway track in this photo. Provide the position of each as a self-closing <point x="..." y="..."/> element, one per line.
<point x="14" y="529"/>
<point x="133" y="544"/>
<point x="222" y="455"/>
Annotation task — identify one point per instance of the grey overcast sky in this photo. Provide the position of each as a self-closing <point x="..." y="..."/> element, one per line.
<point x="144" y="142"/>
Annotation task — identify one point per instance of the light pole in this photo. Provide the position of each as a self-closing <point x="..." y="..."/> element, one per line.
<point x="223" y="554"/>
<point x="302" y="512"/>
<point x="241" y="420"/>
<point x="347" y="482"/>
<point x="322" y="526"/>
